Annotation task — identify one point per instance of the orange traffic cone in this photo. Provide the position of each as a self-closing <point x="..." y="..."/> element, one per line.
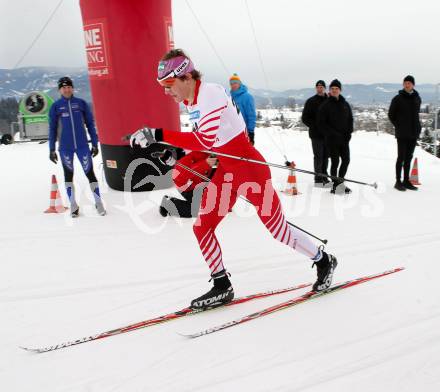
<point x="414" y="176"/>
<point x="56" y="204"/>
<point x="291" y="188"/>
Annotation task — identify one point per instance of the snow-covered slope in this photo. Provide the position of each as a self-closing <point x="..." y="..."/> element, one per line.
<point x="62" y="279"/>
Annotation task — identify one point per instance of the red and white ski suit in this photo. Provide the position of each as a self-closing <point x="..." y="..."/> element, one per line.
<point x="219" y="126"/>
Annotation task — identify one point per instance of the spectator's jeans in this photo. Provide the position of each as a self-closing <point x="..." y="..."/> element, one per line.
<point x="320" y="158"/>
<point x="405" y="151"/>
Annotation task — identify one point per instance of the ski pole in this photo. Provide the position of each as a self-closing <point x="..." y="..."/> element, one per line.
<point x="374" y="185"/>
<point x="324" y="241"/>
<point x="220" y="154"/>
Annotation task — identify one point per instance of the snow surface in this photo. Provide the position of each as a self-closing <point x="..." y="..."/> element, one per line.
<point x="63" y="279"/>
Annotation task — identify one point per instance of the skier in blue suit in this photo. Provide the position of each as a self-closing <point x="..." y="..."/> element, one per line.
<point x="246" y="104"/>
<point x="67" y="118"/>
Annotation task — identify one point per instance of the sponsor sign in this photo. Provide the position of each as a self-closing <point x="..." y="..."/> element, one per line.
<point x="97" y="49"/>
<point x="111" y="164"/>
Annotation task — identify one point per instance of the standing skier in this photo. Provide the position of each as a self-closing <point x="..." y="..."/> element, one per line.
<point x="66" y="124"/>
<point x="219" y="127"/>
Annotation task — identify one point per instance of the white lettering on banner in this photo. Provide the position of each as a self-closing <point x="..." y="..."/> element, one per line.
<point x="95" y="57"/>
<point x="93" y="37"/>
<point x="97" y="49"/>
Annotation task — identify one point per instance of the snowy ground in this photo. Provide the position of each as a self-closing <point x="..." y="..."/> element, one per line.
<point x="62" y="279"/>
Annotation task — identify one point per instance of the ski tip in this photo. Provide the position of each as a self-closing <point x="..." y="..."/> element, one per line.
<point x="187" y="336"/>
<point x="30" y="350"/>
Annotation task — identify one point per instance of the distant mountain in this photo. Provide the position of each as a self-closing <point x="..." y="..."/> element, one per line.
<point x="358" y="94"/>
<point x="17" y="82"/>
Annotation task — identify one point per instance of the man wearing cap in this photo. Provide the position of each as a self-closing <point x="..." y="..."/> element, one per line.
<point x="67" y="118"/>
<point x="335" y="120"/>
<point x="246" y="104"/>
<point x="404" y="115"/>
<point x="309" y="118"/>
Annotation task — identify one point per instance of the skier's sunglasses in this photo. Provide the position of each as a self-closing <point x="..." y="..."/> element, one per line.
<point x="168" y="81"/>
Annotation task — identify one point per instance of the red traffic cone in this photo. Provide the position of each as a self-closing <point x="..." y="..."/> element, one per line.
<point x="291" y="188"/>
<point x="414" y="176"/>
<point x="56" y="204"/>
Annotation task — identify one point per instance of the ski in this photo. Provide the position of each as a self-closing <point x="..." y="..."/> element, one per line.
<point x="292" y="302"/>
<point x="162" y="319"/>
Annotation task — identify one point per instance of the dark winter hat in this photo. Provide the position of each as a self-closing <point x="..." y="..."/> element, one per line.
<point x="64" y="81"/>
<point x="410" y="78"/>
<point x="336" y="83"/>
<point x="320" y="83"/>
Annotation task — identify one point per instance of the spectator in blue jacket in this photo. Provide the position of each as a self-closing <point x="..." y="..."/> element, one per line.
<point x="67" y="118"/>
<point x="246" y="104"/>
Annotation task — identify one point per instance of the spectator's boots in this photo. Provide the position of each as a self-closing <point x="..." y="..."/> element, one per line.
<point x="407" y="184"/>
<point x="322" y="182"/>
<point x="221" y="294"/>
<point x="399" y="186"/>
<point x="337" y="187"/>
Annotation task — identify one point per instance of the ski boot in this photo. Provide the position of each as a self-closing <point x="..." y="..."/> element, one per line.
<point x="100" y="209"/>
<point x="221" y="294"/>
<point x="74" y="210"/>
<point x="324" y="268"/>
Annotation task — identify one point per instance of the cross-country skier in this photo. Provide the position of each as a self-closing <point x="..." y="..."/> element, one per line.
<point x="219" y="127"/>
<point x="67" y="117"/>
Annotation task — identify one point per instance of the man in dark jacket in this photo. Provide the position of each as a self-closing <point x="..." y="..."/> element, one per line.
<point x="335" y="120"/>
<point x="309" y="118"/>
<point x="404" y="115"/>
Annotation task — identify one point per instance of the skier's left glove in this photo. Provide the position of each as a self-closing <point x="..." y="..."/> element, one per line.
<point x="145" y="137"/>
<point x="166" y="157"/>
<point x="53" y="156"/>
<point x="94" y="151"/>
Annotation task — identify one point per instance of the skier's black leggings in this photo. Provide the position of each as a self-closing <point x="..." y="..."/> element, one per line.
<point x="68" y="175"/>
<point x="84" y="157"/>
<point x="405" y="151"/>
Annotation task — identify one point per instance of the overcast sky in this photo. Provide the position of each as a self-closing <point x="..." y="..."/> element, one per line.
<point x="356" y="41"/>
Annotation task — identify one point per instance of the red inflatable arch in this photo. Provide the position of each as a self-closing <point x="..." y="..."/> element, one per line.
<point x="124" y="42"/>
